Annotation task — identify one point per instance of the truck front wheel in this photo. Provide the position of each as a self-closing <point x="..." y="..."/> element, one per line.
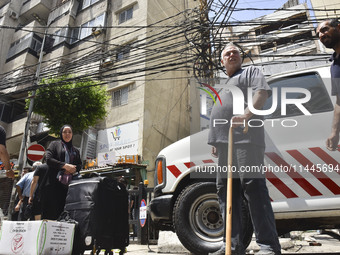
<point x="198" y="222"/>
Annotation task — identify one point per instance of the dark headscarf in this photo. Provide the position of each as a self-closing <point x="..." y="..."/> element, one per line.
<point x="68" y="144"/>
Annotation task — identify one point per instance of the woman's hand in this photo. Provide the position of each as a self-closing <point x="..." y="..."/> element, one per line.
<point x="69" y="168"/>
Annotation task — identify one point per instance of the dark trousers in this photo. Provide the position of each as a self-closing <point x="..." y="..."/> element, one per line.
<point x="251" y="185"/>
<point x="53" y="201"/>
<point x="21" y="215"/>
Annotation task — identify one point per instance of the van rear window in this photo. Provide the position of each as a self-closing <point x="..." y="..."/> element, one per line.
<point x="319" y="102"/>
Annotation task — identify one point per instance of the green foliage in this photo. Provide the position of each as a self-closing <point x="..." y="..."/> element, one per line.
<point x="69" y="100"/>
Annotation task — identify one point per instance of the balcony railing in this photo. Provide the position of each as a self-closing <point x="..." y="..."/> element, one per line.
<point x="36" y="8"/>
<point x="29" y="41"/>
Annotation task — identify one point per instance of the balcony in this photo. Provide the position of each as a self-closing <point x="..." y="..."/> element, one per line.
<point x="24" y="40"/>
<point x="36" y="9"/>
<point x="287" y="32"/>
<point x="295" y="49"/>
<point x="66" y="6"/>
<point x="29" y="41"/>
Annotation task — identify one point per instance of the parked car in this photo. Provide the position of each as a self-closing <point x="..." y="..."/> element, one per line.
<point x="303" y="177"/>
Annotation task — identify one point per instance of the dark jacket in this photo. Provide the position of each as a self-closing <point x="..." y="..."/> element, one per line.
<point x="55" y="158"/>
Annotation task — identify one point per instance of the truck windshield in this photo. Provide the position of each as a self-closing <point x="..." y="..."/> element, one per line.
<point x="319" y="102"/>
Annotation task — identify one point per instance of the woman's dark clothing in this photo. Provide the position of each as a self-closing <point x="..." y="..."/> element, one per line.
<point x="54" y="192"/>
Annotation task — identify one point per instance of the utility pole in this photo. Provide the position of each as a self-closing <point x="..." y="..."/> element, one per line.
<point x="27" y="126"/>
<point x="30" y="108"/>
<point x="203" y="64"/>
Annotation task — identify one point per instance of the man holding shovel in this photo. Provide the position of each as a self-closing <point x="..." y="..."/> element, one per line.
<point x="248" y="150"/>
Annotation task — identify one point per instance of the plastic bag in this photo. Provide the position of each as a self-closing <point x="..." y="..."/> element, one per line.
<point x="28" y="211"/>
<point x="64" y="178"/>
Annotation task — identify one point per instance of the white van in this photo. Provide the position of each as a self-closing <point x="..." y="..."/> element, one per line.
<point x="303" y="177"/>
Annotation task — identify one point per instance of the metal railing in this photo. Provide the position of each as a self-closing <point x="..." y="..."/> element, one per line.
<point x="142" y="231"/>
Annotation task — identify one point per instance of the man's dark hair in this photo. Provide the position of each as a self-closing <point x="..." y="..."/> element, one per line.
<point x="333" y="22"/>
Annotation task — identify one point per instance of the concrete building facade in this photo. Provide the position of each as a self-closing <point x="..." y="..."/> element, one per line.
<point x="284" y="36"/>
<point x="123" y="43"/>
<point x="324" y="9"/>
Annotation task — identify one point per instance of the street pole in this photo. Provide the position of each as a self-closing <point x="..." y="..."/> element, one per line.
<point x="28" y="121"/>
<point x="30" y="108"/>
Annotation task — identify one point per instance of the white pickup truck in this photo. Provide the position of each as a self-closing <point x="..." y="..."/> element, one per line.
<point x="303" y="177"/>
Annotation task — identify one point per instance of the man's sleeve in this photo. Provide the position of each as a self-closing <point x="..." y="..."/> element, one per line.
<point x="37" y="172"/>
<point x="21" y="182"/>
<point x="258" y="81"/>
<point x="2" y="136"/>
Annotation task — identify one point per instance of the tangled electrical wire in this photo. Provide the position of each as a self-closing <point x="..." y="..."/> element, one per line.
<point x="189" y="40"/>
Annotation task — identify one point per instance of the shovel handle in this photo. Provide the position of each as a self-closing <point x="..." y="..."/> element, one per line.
<point x="228" y="223"/>
<point x="228" y="211"/>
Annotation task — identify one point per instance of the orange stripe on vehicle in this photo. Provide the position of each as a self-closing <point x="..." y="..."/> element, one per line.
<point x="326" y="158"/>
<point x="302" y="182"/>
<point x="283" y="188"/>
<point x="189" y="164"/>
<point x="322" y="177"/>
<point x="208" y="161"/>
<point x="174" y="170"/>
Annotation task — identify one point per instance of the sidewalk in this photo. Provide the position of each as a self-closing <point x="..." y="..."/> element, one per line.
<point x="139" y="250"/>
<point x="301" y="242"/>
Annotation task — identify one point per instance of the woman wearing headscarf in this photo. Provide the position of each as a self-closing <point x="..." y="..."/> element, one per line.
<point x="62" y="158"/>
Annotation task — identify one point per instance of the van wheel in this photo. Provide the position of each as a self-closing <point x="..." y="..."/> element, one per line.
<point x="198" y="221"/>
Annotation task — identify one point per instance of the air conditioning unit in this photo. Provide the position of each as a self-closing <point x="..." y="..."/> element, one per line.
<point x="13" y="14"/>
<point x="97" y="30"/>
<point x="107" y="62"/>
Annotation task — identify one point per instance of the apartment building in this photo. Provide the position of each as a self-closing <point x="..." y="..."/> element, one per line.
<point x="324" y="9"/>
<point x="131" y="45"/>
<point x="284" y="36"/>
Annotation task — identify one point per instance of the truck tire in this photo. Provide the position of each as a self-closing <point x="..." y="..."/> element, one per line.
<point x="198" y="222"/>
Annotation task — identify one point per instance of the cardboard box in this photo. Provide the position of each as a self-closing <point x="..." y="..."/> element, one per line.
<point x="36" y="237"/>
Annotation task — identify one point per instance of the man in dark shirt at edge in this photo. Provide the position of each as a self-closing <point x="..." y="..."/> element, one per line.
<point x="328" y="32"/>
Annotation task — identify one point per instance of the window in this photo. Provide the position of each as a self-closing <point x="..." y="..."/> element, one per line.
<point x="85" y="29"/>
<point x="125" y="15"/>
<point x="120" y="97"/>
<point x="74" y="35"/>
<point x="36" y="45"/>
<point x="25" y="42"/>
<point x="22" y="39"/>
<point x="10" y="112"/>
<point x="319" y="102"/>
<point x="123" y="52"/>
<point x="60" y="36"/>
<point x="57" y="36"/>
<point x="243" y="37"/>
<point x="87" y="3"/>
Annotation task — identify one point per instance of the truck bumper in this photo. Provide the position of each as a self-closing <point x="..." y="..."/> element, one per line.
<point x="160" y="208"/>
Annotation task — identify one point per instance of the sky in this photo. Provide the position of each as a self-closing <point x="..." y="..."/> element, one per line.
<point x="251" y="14"/>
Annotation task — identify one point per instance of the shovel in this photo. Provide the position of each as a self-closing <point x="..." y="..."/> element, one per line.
<point x="228" y="222"/>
